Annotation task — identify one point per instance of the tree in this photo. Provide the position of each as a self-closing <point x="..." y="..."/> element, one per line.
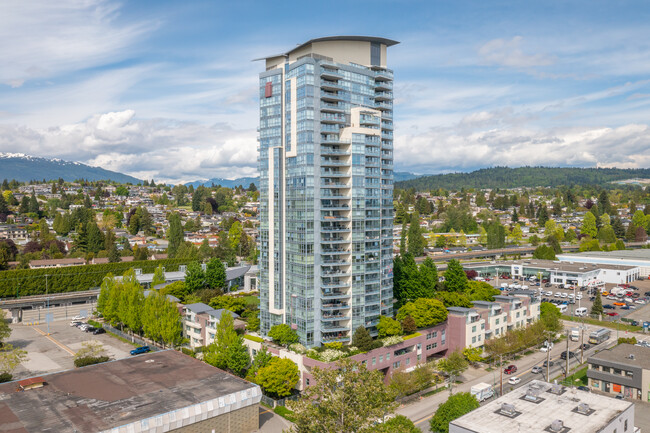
<point x="234" y="235"/>
<point x="550" y="316"/>
<point x="10" y="358"/>
<point x="415" y="240"/>
<point x="194" y="277"/>
<point x="455" y="277"/>
<point x="589" y="225"/>
<point x="215" y="274"/>
<point x="473" y="354"/>
<point x="158" y="276"/>
<point x="283" y="334"/>
<point x="496" y="236"/>
<point x="425" y="312"/>
<point x="228" y="351"/>
<point x="343" y="400"/>
<point x="121" y="191"/>
<point x="362" y="340"/>
<point x="400" y="424"/>
<point x="453" y="299"/>
<point x="482" y="236"/>
<point x="455" y="407"/>
<point x="481" y="291"/>
<point x="33" y="204"/>
<point x="544" y="252"/>
<point x="261" y="359"/>
<point x="5" y="330"/>
<point x="597" y="306"/>
<point x="408" y="325"/>
<point x="174" y="234"/>
<point x="388" y="326"/>
<point x="454" y="365"/>
<point x="279" y="377"/>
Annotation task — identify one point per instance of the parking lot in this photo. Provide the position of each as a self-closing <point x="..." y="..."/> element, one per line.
<point x="553" y="293"/>
<point x="55" y="352"/>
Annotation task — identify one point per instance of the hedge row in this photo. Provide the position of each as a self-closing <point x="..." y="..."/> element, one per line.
<point x="27" y="282"/>
<point x="90" y="360"/>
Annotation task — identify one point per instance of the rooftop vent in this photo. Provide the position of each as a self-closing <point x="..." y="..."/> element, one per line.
<point x="532" y="394"/>
<point x="557" y="425"/>
<point x="556" y="389"/>
<point x="631" y="356"/>
<point x="508" y="409"/>
<point x="583" y="408"/>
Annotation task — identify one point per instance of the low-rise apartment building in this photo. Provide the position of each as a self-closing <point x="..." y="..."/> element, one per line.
<point x="623" y="369"/>
<point x="200" y="323"/>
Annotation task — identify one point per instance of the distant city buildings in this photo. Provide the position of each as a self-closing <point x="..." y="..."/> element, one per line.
<point x="326" y="188"/>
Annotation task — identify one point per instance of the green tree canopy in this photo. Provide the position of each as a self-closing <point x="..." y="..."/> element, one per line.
<point x="388" y="326"/>
<point x="455" y="277"/>
<point x="278" y="377"/>
<point x="283" y="334"/>
<point x="455" y="407"/>
<point x="425" y="312"/>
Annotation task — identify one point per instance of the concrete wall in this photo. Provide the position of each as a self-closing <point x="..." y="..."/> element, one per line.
<point x="244" y="420"/>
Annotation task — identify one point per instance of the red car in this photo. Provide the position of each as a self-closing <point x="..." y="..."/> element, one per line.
<point x="510" y="369"/>
<point x="612" y="314"/>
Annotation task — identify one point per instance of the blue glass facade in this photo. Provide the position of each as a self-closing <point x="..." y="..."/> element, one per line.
<point x="326" y="191"/>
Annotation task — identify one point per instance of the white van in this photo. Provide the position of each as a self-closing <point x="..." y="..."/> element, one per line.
<point x="563" y="308"/>
<point x="582" y="311"/>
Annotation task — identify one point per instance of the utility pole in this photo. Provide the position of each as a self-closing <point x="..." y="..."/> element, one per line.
<point x="48" y="304"/>
<point x="548" y="357"/>
<point x="582" y="344"/>
<point x="566" y="372"/>
<point x="501" y="368"/>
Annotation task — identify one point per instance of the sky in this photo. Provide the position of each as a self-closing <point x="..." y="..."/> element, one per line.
<point x="168" y="90"/>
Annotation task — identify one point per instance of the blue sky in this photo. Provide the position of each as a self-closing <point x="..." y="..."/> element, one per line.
<point x="167" y="89"/>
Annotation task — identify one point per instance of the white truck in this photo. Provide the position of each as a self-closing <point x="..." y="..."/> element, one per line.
<point x="482" y="391"/>
<point x="575" y="334"/>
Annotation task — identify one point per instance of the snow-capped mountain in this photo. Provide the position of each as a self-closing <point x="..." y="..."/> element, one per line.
<point x="24" y="168"/>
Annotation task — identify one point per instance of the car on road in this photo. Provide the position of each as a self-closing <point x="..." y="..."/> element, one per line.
<point x="536" y="369"/>
<point x="546" y="347"/>
<point x="511" y="369"/>
<point x="563" y="355"/>
<point x="548" y="364"/>
<point x="99" y="331"/>
<point x="514" y="380"/>
<point x="584" y="388"/>
<point x="141" y="349"/>
<point x="585" y="346"/>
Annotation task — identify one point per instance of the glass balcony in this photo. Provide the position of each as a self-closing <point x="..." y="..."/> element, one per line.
<point x="335" y="315"/>
<point x="330" y="74"/>
<point x="334" y="294"/>
<point x="334" y="328"/>
<point x="383" y="74"/>
<point x="335" y="338"/>
<point x="383" y="85"/>
<point x="333" y="151"/>
<point x="383" y="96"/>
<point x="330" y="96"/>
<point x="332" y="118"/>
<point x="330" y="85"/>
<point x="384" y="105"/>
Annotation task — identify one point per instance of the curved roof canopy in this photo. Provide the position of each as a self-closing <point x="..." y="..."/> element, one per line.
<point x="387" y="42"/>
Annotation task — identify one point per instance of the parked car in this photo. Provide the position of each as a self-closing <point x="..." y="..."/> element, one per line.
<point x="609" y="307"/>
<point x="584" y="388"/>
<point x="514" y="380"/>
<point x="511" y="369"/>
<point x="84" y="326"/>
<point x="90" y="329"/>
<point x="139" y="350"/>
<point x="639" y="301"/>
<point x="78" y="318"/>
<point x="612" y="314"/>
<point x="536" y="369"/>
<point x="99" y="331"/>
<point x="620" y="396"/>
<point x="75" y="323"/>
<point x="619" y="304"/>
<point x="647" y="293"/>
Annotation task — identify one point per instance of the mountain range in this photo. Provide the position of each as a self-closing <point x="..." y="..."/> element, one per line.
<point x="25" y="168"/>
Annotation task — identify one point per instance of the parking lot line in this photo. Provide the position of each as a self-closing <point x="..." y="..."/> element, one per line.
<point x="53" y="340"/>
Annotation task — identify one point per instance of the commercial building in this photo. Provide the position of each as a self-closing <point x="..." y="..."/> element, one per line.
<point x="572" y="272"/>
<point x="623" y="369"/>
<point x="326" y="188"/>
<point x="156" y="392"/>
<point x="637" y="258"/>
<point x="542" y="407"/>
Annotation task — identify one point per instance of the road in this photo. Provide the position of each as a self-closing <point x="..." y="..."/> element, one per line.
<point x="421" y="411"/>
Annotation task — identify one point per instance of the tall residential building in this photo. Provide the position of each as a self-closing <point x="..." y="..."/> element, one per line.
<point x="326" y="188"/>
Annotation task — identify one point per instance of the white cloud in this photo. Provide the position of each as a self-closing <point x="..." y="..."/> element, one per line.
<point x="43" y="38"/>
<point x="505" y="52"/>
<point x="153" y="148"/>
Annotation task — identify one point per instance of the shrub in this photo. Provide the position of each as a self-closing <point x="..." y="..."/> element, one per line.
<point x="5" y="377"/>
<point x="298" y="348"/>
<point x="337" y="345"/>
<point x="82" y="362"/>
<point x="389" y="341"/>
<point x="95" y="324"/>
<point x="188" y="352"/>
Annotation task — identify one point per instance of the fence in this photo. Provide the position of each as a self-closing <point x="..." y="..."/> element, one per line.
<point x="129" y="337"/>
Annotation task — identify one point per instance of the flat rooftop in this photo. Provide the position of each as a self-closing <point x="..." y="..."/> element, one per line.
<point x="160" y="388"/>
<point x="550" y="265"/>
<point x="620" y="355"/>
<point x="536" y="417"/>
<point x="640" y="254"/>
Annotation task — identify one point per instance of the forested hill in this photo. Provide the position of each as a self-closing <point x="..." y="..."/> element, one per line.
<point x="505" y="177"/>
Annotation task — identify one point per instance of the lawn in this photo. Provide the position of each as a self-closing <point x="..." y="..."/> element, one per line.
<point x="578" y="378"/>
<point x="250" y="299"/>
<point x="613" y="325"/>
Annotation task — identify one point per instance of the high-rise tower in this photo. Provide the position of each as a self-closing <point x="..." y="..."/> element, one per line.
<point x="326" y="188"/>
